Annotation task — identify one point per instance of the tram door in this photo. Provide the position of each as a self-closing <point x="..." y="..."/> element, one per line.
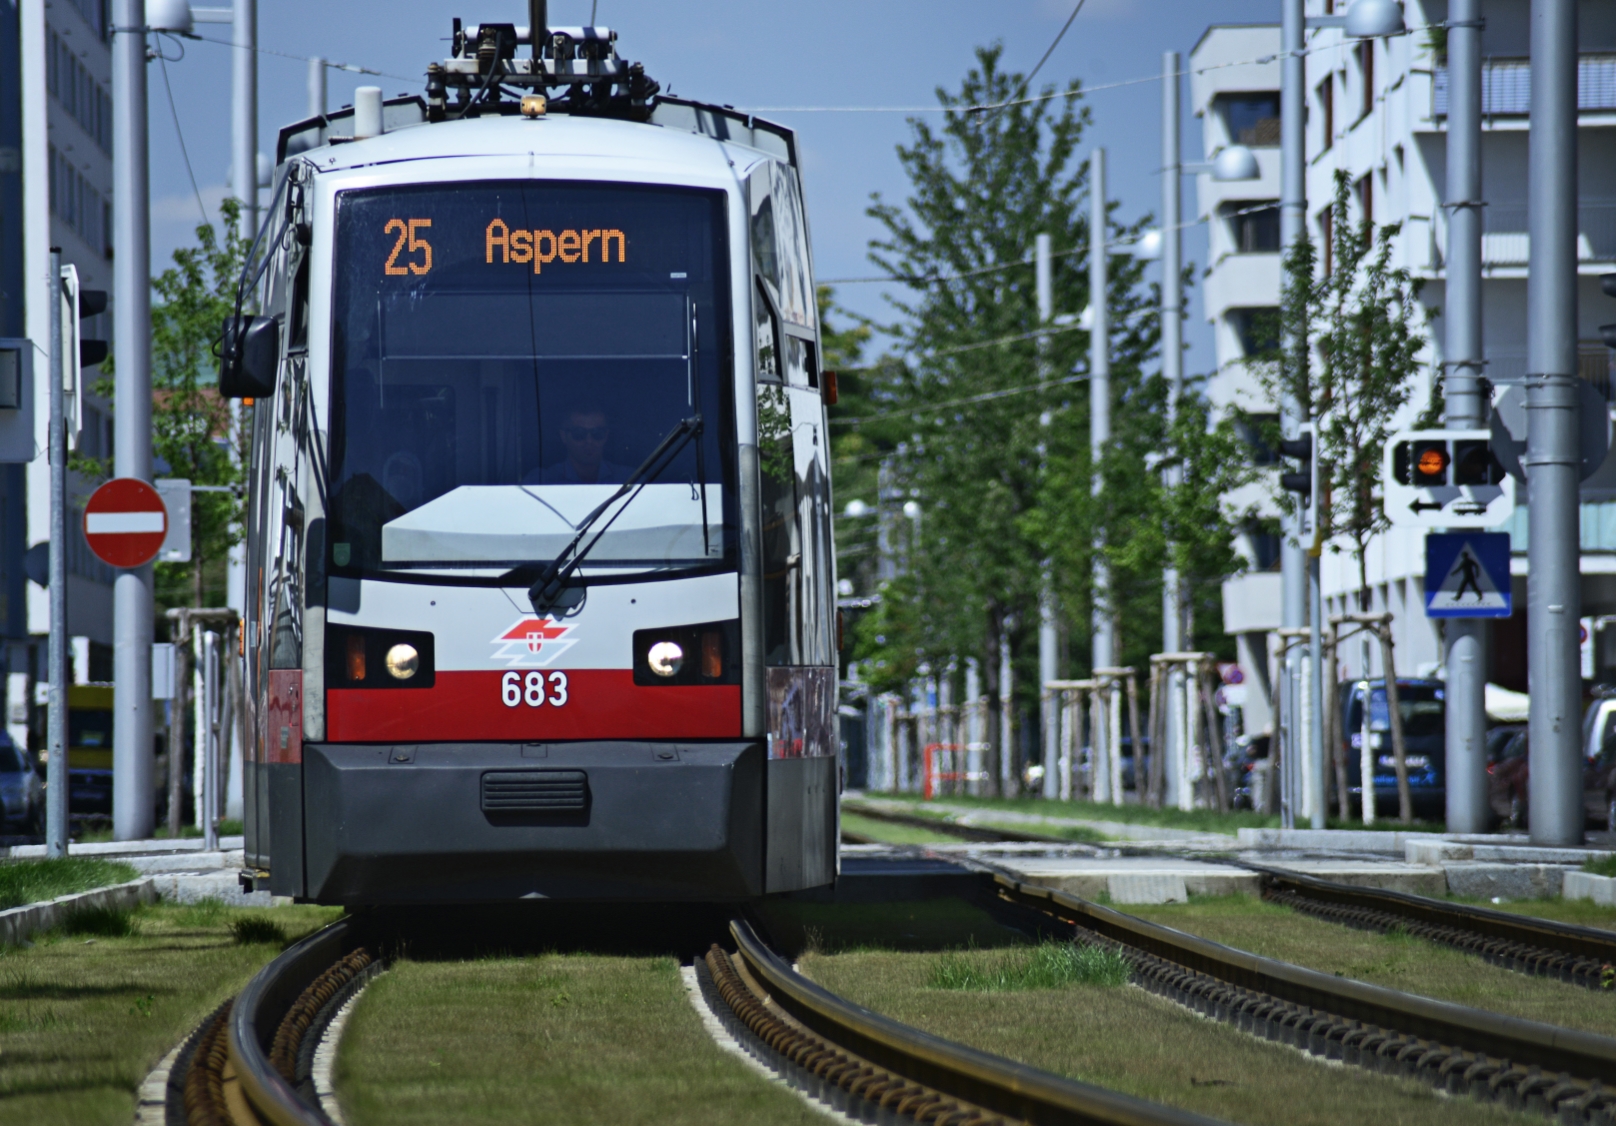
<point x="798" y="561"/>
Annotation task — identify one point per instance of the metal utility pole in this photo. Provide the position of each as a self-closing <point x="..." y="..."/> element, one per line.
<point x="56" y="729"/>
<point x="1553" y="588"/>
<point x="133" y="808"/>
<point x="1292" y="215"/>
<point x="316" y="87"/>
<point x="1466" y="656"/>
<point x="244" y="114"/>
<point x="1048" y="633"/>
<point x="1103" y="646"/>
<point x="1172" y="352"/>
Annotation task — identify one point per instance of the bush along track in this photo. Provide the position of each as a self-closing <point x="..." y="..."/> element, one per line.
<point x="1523" y="1065"/>
<point x="1577" y="955"/>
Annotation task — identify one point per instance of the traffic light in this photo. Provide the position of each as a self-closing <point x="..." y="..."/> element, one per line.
<point x="1300" y="450"/>
<point x="1432" y="462"/>
<point x="1607" y="333"/>
<point x="77" y="352"/>
<point x="92" y="303"/>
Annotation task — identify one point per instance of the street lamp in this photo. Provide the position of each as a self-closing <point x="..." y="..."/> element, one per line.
<point x="171" y="17"/>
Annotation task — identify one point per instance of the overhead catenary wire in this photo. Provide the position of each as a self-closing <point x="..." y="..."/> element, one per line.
<point x="984" y="397"/>
<point x="180" y="133"/>
<point x="350" y="67"/>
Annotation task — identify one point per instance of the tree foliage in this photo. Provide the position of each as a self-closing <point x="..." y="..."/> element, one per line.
<point x="1355" y="332"/>
<point x="194" y="434"/>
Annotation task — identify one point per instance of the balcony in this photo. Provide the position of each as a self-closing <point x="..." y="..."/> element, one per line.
<point x="1506" y="86"/>
<point x="1505" y="239"/>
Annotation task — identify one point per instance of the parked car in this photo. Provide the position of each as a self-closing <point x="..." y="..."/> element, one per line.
<point x="1423" y="710"/>
<point x="1509" y="768"/>
<point x="22" y="795"/>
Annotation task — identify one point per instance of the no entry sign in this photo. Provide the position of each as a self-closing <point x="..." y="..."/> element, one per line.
<point x="125" y="522"/>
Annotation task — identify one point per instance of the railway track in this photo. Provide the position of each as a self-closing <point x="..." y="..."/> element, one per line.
<point x="250" y="1064"/>
<point x="1525" y="1065"/>
<point x="1582" y="956"/>
<point x="1579" y="955"/>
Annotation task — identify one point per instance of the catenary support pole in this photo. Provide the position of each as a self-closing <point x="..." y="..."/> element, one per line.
<point x="1554" y="597"/>
<point x="56" y="729"/>
<point x="1048" y="630"/>
<point x="133" y="808"/>
<point x="1466" y="656"/>
<point x="317" y="96"/>
<point x="1172" y="353"/>
<point x="1292" y="214"/>
<point x="1102" y="647"/>
<point x="244" y="114"/>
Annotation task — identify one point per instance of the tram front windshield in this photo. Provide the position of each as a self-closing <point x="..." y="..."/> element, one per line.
<point x="505" y="356"/>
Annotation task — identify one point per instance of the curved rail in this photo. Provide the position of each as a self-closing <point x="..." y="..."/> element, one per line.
<point x="1459" y="1049"/>
<point x="963" y="832"/>
<point x="894" y="1069"/>
<point x="1580" y="955"/>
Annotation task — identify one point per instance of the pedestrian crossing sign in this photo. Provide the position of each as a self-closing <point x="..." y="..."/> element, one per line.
<point x="1467" y="575"/>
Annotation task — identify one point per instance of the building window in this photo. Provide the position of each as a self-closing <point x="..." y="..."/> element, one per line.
<point x="1258" y="330"/>
<point x="1326" y="92"/>
<point x="1252" y="119"/>
<point x="1253" y="226"/>
<point x="1256" y="430"/>
<point x="78" y="93"/>
<point x="1327" y="239"/>
<point x="1366" y="73"/>
<point x="1366" y="197"/>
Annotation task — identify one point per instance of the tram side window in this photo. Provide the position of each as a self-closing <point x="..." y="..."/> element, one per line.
<point x="782" y="539"/>
<point x="814" y="597"/>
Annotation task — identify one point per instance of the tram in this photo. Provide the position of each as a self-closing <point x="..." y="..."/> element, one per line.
<point x="541" y="576"/>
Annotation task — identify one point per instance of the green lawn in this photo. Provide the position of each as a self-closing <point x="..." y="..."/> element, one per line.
<point x="1123" y="1038"/>
<point x="1394" y="959"/>
<point x="576" y="1038"/>
<point x="32" y="881"/>
<point x="886" y="832"/>
<point x="88" y="1010"/>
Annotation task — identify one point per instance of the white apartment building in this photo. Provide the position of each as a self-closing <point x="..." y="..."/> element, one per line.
<point x="1377" y="111"/>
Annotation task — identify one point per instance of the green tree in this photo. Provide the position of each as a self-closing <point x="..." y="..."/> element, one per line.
<point x="1357" y="334"/>
<point x="193" y="429"/>
<point x="959" y="421"/>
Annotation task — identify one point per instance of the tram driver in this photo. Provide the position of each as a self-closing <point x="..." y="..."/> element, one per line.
<point x="584" y="431"/>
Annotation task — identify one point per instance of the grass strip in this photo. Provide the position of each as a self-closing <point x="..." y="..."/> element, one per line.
<point x="33" y="881"/>
<point x="1581" y="912"/>
<point x="1394" y="959"/>
<point x="1049" y="965"/>
<point x="923" y="924"/>
<point x="1601" y="866"/>
<point x="1200" y="820"/>
<point x="1134" y="1042"/>
<point x="547" y="1039"/>
<point x="89" y="1009"/>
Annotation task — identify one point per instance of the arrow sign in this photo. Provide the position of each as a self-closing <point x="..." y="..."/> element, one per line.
<point x="125" y="522"/>
<point x="1422" y="506"/>
<point x="1467" y="575"/>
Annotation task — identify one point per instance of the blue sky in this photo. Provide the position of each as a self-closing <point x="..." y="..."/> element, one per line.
<point x="828" y="53"/>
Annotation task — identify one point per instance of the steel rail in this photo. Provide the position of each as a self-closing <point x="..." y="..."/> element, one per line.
<point x="1455" y="1047"/>
<point x="258" y="1013"/>
<point x="931" y="1071"/>
<point x="1581" y="955"/>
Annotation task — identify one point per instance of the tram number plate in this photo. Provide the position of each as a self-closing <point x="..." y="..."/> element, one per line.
<point x="533" y="689"/>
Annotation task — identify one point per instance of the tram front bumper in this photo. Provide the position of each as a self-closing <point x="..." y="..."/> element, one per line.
<point x="490" y="822"/>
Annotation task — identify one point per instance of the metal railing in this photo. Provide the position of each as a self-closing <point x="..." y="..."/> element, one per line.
<point x="1506" y="86"/>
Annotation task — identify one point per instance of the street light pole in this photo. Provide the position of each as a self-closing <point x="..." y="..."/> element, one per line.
<point x="133" y="809"/>
<point x="1292" y="215"/>
<point x="56" y="782"/>
<point x="1048" y="631"/>
<point x="1554" y="596"/>
<point x="317" y="95"/>
<point x="1172" y="359"/>
<point x="1102" y="648"/>
<point x="244" y="114"/>
<point x="1466" y="656"/>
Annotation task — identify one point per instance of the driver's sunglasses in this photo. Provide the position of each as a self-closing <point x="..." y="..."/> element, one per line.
<point x="585" y="433"/>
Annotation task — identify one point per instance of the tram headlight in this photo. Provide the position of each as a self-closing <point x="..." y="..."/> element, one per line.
<point x="666" y="658"/>
<point x="402" y="661"/>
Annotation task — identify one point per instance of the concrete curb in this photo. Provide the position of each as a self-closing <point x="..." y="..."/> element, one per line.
<point x="1586" y="885"/>
<point x="17" y="923"/>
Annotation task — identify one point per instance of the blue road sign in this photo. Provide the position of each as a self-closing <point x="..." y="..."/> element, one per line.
<point x="1467" y="575"/>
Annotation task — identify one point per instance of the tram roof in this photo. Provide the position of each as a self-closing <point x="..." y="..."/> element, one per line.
<point x="678" y="131"/>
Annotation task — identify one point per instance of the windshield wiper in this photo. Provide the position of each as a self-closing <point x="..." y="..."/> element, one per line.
<point x="547" y="588"/>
